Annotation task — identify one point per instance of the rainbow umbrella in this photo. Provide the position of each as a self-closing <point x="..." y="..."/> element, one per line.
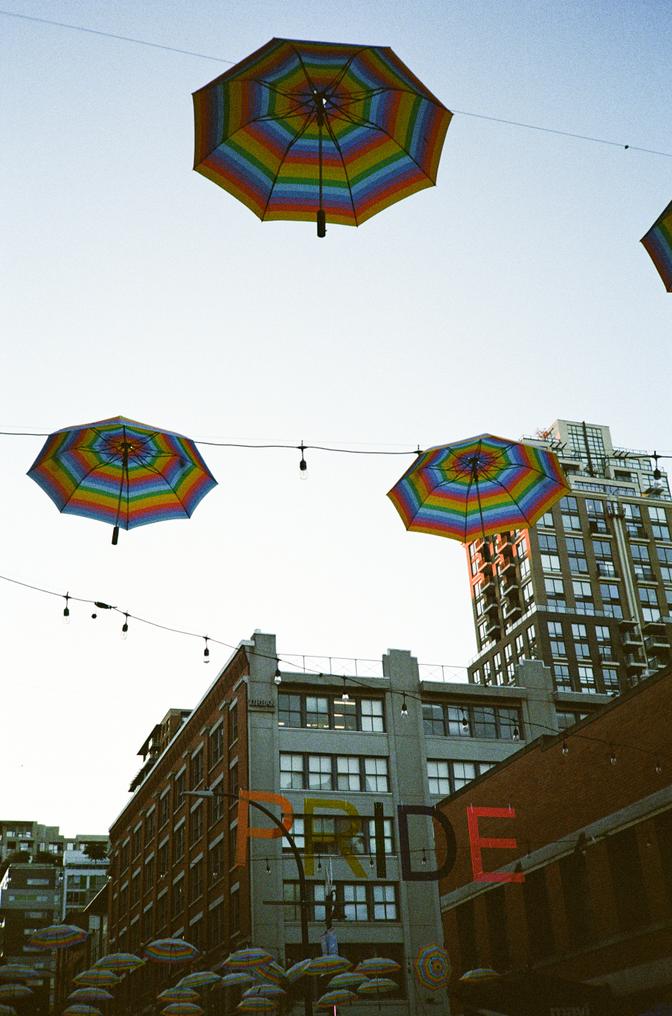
<point x="7" y="1010"/>
<point x="97" y="978"/>
<point x="257" y="1004"/>
<point x="250" y="957"/>
<point x="121" y="962"/>
<point x="377" y="986"/>
<point x="317" y="130"/>
<point x="237" y="978"/>
<point x="348" y="979"/>
<point x="265" y="991"/>
<point x="14" y="992"/>
<point x="339" y="996"/>
<point x="183" y="1009"/>
<point x="58" y="936"/>
<point x="90" y="995"/>
<point x="478" y="975"/>
<point x="432" y="967"/>
<point x="297" y="970"/>
<point x="79" y="1009"/>
<point x="272" y="972"/>
<point x="178" y="994"/>
<point x="122" y="472"/>
<point x="199" y="979"/>
<point x="377" y="966"/>
<point x="320" y="965"/>
<point x="658" y="243"/>
<point x="171" y="950"/>
<point x="18" y="972"/>
<point x="477" y="487"/>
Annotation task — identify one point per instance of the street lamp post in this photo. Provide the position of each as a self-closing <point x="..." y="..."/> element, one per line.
<point x="209" y="793"/>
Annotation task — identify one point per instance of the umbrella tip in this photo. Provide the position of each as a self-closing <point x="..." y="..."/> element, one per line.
<point x="115" y="536"/>
<point x="321" y="222"/>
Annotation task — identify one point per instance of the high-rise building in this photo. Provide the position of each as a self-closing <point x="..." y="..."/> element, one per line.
<point x="588" y="590"/>
<point x="333" y="739"/>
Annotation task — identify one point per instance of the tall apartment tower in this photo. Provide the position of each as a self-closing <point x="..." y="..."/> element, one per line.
<point x="588" y="590"/>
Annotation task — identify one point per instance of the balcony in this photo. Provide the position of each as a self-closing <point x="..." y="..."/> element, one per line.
<point x="512" y="611"/>
<point x="507" y="564"/>
<point x="635" y="663"/>
<point x="657" y="644"/>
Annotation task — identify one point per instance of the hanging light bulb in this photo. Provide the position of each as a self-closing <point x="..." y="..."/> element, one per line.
<point x="268" y="867"/>
<point x="424" y="856"/>
<point x="319" y="863"/>
<point x="66" y="610"/>
<point x="303" y="465"/>
<point x="277" y="677"/>
<point x="404" y="707"/>
<point x="612" y="757"/>
<point x="206" y="651"/>
<point x="565" y="747"/>
<point x="659" y="767"/>
<point x="370" y="860"/>
<point x="345" y="697"/>
<point x="465" y="721"/>
<point x="515" y="734"/>
<point x="124" y="627"/>
<point x="656" y="472"/>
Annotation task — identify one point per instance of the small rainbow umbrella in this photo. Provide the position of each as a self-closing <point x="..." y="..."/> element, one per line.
<point x="257" y="1004"/>
<point x="432" y="967"/>
<point x="658" y="243"/>
<point x="7" y="1010"/>
<point x="478" y="975"/>
<point x="377" y="966"/>
<point x="377" y="986"/>
<point x="97" y="978"/>
<point x="477" y="487"/>
<point x="297" y="970"/>
<point x="79" y="1009"/>
<point x="178" y="994"/>
<point x="250" y="957"/>
<point x="348" y="979"/>
<point x="272" y="972"/>
<point x="18" y="972"/>
<point x="121" y="962"/>
<point x="320" y="965"/>
<point x="122" y="472"/>
<point x="339" y="996"/>
<point x="58" y="936"/>
<point x="319" y="130"/>
<point x="171" y="950"/>
<point x="265" y="991"/>
<point x="183" y="1009"/>
<point x="14" y="992"/>
<point x="199" y="979"/>
<point x="90" y="995"/>
<point x="237" y="978"/>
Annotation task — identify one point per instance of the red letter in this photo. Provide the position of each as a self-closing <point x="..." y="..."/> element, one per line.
<point x="477" y="842"/>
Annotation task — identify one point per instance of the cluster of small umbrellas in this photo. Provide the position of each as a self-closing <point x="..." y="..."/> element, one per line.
<point x="129" y="474"/>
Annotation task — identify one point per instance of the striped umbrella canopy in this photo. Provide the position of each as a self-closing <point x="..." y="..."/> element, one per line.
<point x="377" y="986"/>
<point x="250" y="957"/>
<point x="237" y="978"/>
<point x="18" y="972"/>
<point x="257" y="1004"/>
<point x="319" y="130"/>
<point x="178" y="994"/>
<point x="478" y="975"/>
<point x="297" y="970"/>
<point x="94" y="978"/>
<point x="183" y="1009"/>
<point x="120" y="962"/>
<point x="320" y="965"/>
<point x="14" y="992"/>
<point x="272" y="972"/>
<point x="432" y="967"/>
<point x="377" y="966"/>
<point x="80" y="1009"/>
<point x="90" y="994"/>
<point x="477" y="487"/>
<point x="7" y="1010"/>
<point x="348" y="979"/>
<point x="171" y="950"/>
<point x="199" y="979"/>
<point x="658" y="243"/>
<point x="58" y="936"/>
<point x="122" y="472"/>
<point x="338" y="996"/>
<point x="265" y="991"/>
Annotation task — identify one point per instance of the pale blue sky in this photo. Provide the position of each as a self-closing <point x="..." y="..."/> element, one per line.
<point x="513" y="293"/>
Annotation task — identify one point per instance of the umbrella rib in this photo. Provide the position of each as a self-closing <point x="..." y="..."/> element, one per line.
<point x="81" y="480"/>
<point x="357" y="96"/>
<point x="346" y="67"/>
<point x="493" y="479"/>
<point x="168" y="484"/>
<point x="359" y="122"/>
<point x="345" y="170"/>
<point x="293" y="141"/>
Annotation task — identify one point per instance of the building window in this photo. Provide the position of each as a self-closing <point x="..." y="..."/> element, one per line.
<point x="216" y="861"/>
<point x="289" y="710"/>
<point x="353" y="901"/>
<point x="586" y="678"/>
<point x="178" y="897"/>
<point x="178" y="843"/>
<point x="150" y="826"/>
<point x="163" y="810"/>
<point x="349" y="777"/>
<point x="659" y="525"/>
<point x="234" y="912"/>
<point x="233" y="724"/>
<point x="196" y="825"/>
<point x="333" y="772"/>
<point x="610" y="679"/>
<point x="548" y="543"/>
<point x="195" y="881"/>
<point x="475" y="721"/>
<point x="384" y="903"/>
<point x="648" y="599"/>
<point x="582" y="590"/>
<point x="216" y="744"/>
<point x="216" y="807"/>
<point x="432" y="718"/>
<point x="446" y="776"/>
<point x="330" y="712"/>
<point x="291" y="772"/>
<point x="563" y="681"/>
<point x="375" y="775"/>
<point x="179" y="790"/>
<point x="163" y="859"/>
<point x="372" y="715"/>
<point x="550" y="562"/>
<point x="197" y="769"/>
<point x="317" y="711"/>
<point x="319" y="772"/>
<point x="568" y="717"/>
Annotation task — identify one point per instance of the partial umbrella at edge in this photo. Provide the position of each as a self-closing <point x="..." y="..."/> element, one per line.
<point x="319" y="130"/>
<point x="479" y="486"/>
<point x="658" y="243"/>
<point x="122" y="472"/>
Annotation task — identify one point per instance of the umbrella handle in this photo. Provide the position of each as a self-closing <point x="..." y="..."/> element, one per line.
<point x="321" y="222"/>
<point x="115" y="536"/>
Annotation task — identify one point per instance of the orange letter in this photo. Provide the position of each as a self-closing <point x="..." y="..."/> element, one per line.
<point x="477" y="842"/>
<point x="244" y="832"/>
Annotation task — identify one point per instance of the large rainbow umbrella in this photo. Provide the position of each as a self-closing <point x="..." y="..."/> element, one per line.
<point x="265" y="991"/>
<point x="171" y="950"/>
<point x="122" y="472"/>
<point x="272" y="972"/>
<point x="477" y="487"/>
<point x="14" y="992"/>
<point x="432" y="967"/>
<point x="80" y="1009"/>
<point x="183" y="1009"/>
<point x="199" y="979"/>
<point x="377" y="966"/>
<point x="237" y="979"/>
<point x="336" y="997"/>
<point x="377" y="986"/>
<point x="90" y="995"/>
<point x="244" y="959"/>
<point x="58" y="936"/>
<point x="658" y="243"/>
<point x="120" y="962"/>
<point x="331" y="964"/>
<point x="177" y="994"/>
<point x="257" y="1004"/>
<point x="319" y="130"/>
<point x="97" y="978"/>
<point x="18" y="972"/>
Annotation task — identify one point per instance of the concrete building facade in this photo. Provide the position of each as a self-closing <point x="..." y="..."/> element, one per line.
<point x="588" y="590"/>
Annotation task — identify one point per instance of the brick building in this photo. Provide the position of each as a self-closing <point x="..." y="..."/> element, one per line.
<point x="593" y="834"/>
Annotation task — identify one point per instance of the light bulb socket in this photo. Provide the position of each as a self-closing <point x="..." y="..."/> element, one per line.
<point x="404" y="708"/>
<point x="277" y="677"/>
<point x="206" y="651"/>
